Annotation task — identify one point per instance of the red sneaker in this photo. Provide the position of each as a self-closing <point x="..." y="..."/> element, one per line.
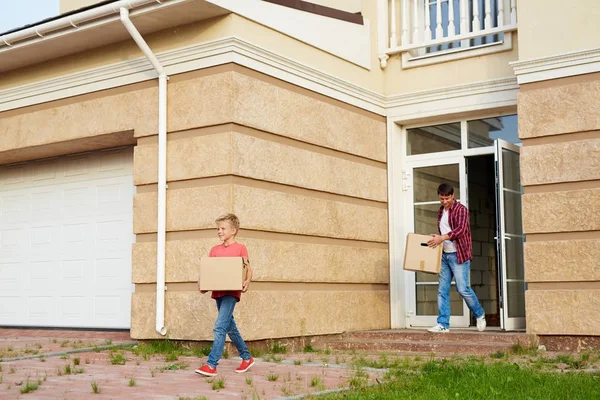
<point x="207" y="370"/>
<point x="245" y="365"/>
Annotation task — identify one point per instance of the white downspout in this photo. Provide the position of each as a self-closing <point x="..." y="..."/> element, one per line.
<point x="162" y="170"/>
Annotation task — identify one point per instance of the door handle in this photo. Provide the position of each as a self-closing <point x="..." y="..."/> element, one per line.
<point x="505" y="238"/>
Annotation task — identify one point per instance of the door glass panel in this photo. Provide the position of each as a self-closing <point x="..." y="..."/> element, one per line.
<point x="427" y="300"/>
<point x="433" y="139"/>
<point x="426" y="218"/>
<point x="483" y="132"/>
<point x="514" y="258"/>
<point x="510" y="170"/>
<point x="426" y="181"/>
<point x="516" y="299"/>
<point x="512" y="213"/>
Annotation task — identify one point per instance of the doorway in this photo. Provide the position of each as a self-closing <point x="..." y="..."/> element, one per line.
<point x="484" y="170"/>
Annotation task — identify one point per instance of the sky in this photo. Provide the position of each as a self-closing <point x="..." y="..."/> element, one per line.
<point x="16" y="13"/>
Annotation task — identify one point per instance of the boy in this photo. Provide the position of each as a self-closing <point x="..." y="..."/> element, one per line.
<point x="227" y="227"/>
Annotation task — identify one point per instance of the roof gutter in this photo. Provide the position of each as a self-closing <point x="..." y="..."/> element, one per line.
<point x="73" y="21"/>
<point x="162" y="169"/>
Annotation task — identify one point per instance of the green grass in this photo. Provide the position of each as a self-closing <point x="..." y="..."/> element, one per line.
<point x="317" y="382"/>
<point x="477" y="380"/>
<point x="131" y="382"/>
<point x="117" y="359"/>
<point x="308" y="349"/>
<point x="277" y="348"/>
<point x="272" y="377"/>
<point x="30" y="386"/>
<point x="95" y="387"/>
<point x="173" y="367"/>
<point x="217" y="383"/>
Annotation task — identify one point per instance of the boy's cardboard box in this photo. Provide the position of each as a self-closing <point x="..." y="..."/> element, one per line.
<point x="222" y="273"/>
<point x="420" y="257"/>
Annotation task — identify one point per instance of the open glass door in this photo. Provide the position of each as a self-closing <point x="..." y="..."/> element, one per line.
<point x="510" y="238"/>
<point x="423" y="205"/>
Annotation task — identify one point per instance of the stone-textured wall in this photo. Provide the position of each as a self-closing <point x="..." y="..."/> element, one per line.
<point x="307" y="177"/>
<point x="560" y="169"/>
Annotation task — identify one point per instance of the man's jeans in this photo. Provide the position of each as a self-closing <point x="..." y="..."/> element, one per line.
<point x="450" y="267"/>
<point x="225" y="325"/>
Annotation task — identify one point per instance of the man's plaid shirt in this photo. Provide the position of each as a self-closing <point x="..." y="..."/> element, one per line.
<point x="458" y="219"/>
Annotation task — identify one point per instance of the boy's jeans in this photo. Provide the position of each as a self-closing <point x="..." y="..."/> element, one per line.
<point x="450" y="267"/>
<point x="225" y="325"/>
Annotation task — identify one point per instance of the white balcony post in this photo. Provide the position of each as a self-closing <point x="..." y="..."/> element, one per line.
<point x="427" y="21"/>
<point x="464" y="11"/>
<point x="393" y="36"/>
<point x="439" y="30"/>
<point x="488" y="14"/>
<point x="382" y="32"/>
<point x="405" y="12"/>
<point x="500" y="12"/>
<point x="513" y="12"/>
<point x="476" y="21"/>
<point x="415" y="24"/>
<point x="451" y="26"/>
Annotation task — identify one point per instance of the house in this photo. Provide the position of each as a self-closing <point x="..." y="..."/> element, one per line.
<point x="127" y="127"/>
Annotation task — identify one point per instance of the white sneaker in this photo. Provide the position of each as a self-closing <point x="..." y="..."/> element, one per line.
<point x="481" y="323"/>
<point x="438" y="329"/>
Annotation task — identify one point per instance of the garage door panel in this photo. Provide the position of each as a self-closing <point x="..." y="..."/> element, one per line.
<point x="11" y="308"/>
<point x="9" y="276"/>
<point x="43" y="276"/>
<point x="72" y="309"/>
<point x="41" y="309"/>
<point x="108" y="308"/>
<point x="66" y="231"/>
<point x="14" y="209"/>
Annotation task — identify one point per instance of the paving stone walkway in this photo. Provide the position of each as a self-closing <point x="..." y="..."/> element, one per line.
<point x="76" y="362"/>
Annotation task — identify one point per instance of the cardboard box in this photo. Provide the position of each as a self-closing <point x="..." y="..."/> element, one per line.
<point x="222" y="273"/>
<point x="420" y="257"/>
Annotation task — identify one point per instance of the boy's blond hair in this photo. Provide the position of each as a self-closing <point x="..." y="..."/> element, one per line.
<point x="233" y="220"/>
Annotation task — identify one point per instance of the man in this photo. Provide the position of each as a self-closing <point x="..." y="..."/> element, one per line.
<point x="455" y="237"/>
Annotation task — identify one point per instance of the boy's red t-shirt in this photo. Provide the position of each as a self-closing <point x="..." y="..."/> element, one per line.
<point x="232" y="250"/>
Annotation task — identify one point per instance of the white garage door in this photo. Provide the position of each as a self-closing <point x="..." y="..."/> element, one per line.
<point x="66" y="231"/>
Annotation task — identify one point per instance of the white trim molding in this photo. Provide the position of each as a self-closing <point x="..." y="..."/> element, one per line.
<point x="557" y="66"/>
<point x="403" y="107"/>
<point x="190" y="58"/>
<point x="462" y="98"/>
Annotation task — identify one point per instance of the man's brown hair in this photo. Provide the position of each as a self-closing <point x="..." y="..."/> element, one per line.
<point x="445" y="189"/>
<point x="233" y="220"/>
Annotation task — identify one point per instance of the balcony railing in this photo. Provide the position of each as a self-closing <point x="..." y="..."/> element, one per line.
<point x="422" y="28"/>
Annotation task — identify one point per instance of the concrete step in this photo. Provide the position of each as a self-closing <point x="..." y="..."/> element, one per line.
<point x="507" y="338"/>
<point x="462" y="347"/>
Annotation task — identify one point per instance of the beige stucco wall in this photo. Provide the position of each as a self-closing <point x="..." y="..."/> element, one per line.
<point x="306" y="175"/>
<point x="70" y="5"/>
<point x="560" y="128"/>
<point x="552" y="27"/>
<point x="451" y="73"/>
<point x="268" y="152"/>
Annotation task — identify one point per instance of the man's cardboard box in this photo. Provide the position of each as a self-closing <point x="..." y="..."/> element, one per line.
<point x="222" y="273"/>
<point x="420" y="257"/>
